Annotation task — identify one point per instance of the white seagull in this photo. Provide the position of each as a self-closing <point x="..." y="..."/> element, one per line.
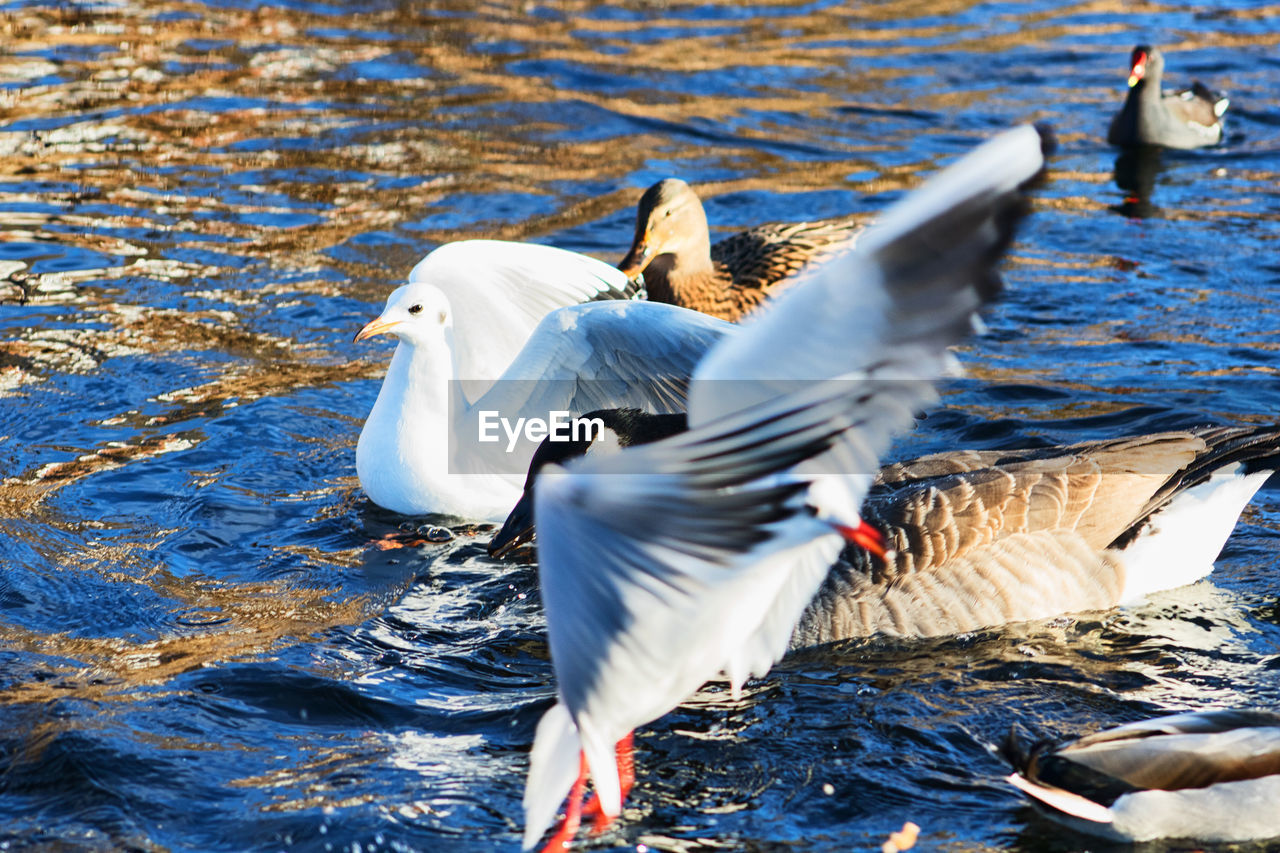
<point x="493" y="329"/>
<point x="639" y="614"/>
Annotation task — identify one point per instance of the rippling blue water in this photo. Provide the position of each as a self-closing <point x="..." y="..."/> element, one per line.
<point x="201" y="202"/>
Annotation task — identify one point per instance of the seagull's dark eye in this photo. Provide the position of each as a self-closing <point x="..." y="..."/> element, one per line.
<point x="415" y="309"/>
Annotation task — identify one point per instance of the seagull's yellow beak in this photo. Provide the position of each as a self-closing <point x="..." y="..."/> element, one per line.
<point x="375" y="327"/>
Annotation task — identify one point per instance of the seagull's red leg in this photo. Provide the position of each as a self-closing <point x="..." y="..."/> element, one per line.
<point x="572" y="813"/>
<point x="867" y="538"/>
<point x="413" y="538"/>
<point x="624" y="753"/>
<point x="392" y="541"/>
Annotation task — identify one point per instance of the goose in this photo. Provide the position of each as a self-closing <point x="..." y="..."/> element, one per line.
<point x="491" y="329"/>
<point x="1211" y="776"/>
<point x="985" y="538"/>
<point x="978" y="539"/>
<point x="640" y="614"/>
<point x="732" y="278"/>
<point x="1191" y="118"/>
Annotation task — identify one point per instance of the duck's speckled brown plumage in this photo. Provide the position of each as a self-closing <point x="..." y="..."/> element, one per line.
<point x="985" y="538"/>
<point x="733" y="277"/>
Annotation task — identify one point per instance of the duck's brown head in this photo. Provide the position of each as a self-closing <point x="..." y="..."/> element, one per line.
<point x="670" y="221"/>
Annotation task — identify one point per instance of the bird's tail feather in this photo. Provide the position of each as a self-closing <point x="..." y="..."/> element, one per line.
<point x="553" y="767"/>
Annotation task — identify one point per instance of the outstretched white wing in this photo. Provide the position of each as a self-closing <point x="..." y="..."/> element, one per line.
<point x="918" y="274"/>
<point x="658" y="563"/>
<point x="499" y="291"/>
<point x="888" y="309"/>
<point x="607" y="355"/>
<point x="664" y="563"/>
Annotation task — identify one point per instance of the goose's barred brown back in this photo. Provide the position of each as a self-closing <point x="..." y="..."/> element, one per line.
<point x="982" y="538"/>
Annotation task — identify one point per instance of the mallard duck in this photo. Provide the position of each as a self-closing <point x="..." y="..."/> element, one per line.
<point x="733" y="277"/>
<point x="1212" y="776"/>
<point x="1191" y="118"/>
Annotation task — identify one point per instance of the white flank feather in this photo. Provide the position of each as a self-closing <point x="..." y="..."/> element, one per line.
<point x="1182" y="540"/>
<point x="1062" y="801"/>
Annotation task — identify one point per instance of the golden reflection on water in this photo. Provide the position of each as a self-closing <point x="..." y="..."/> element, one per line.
<point x="274" y="57"/>
<point x="252" y="619"/>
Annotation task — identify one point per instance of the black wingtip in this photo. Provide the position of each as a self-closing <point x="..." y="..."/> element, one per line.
<point x="1048" y="148"/>
<point x="1048" y="138"/>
